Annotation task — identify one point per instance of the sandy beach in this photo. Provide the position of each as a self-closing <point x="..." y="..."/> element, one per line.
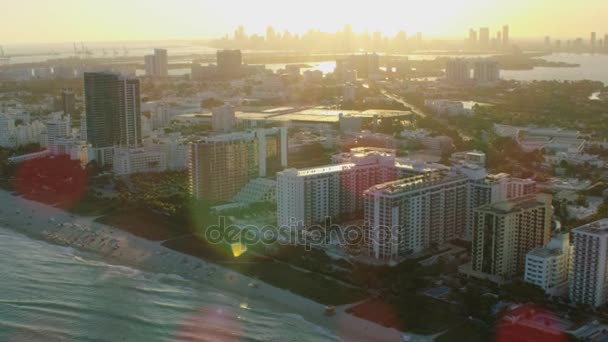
<point x="119" y="247"/>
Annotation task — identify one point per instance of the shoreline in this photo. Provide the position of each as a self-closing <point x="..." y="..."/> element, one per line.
<point x="116" y="246"/>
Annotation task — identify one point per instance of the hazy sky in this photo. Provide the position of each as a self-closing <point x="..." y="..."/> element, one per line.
<point x="25" y="21"/>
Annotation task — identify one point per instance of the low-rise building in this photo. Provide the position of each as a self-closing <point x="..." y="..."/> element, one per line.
<point x="128" y="161"/>
<point x="548" y="267"/>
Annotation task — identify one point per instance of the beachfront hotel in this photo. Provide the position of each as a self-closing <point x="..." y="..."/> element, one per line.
<point x="311" y="195"/>
<point x="589" y="280"/>
<point x="504" y="233"/>
<point x="113" y="113"/>
<point x="410" y="215"/>
<point x="220" y="165"/>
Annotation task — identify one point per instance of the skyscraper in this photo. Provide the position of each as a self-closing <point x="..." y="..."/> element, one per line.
<point x="589" y="281"/>
<point x="472" y="37"/>
<point x="130" y="113"/>
<point x="484" y="37"/>
<point x="229" y="63"/>
<point x="161" y="63"/>
<point x="592" y="41"/>
<point x="149" y="65"/>
<point x="505" y="36"/>
<point x="505" y="232"/>
<point x="486" y="71"/>
<point x="219" y="166"/>
<point x="112" y="105"/>
<point x="412" y="214"/>
<point x="157" y="65"/>
<point x="68" y="101"/>
<point x="457" y="71"/>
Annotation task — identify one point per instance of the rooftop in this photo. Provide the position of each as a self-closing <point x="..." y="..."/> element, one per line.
<point x="515" y="205"/>
<point x="415" y="183"/>
<point x="319" y="170"/>
<point x="597" y="227"/>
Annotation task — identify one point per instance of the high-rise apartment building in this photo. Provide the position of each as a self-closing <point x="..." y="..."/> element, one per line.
<point x="161" y="63"/>
<point x="219" y="166"/>
<point x="589" y="278"/>
<point x="149" y="65"/>
<point x="504" y="233"/>
<point x="486" y="71"/>
<point x="229" y="63"/>
<point x="130" y="113"/>
<point x="593" y="41"/>
<point x="495" y="188"/>
<point x="68" y="101"/>
<point x="57" y="127"/>
<point x="410" y="215"/>
<point x="505" y="36"/>
<point x="309" y="196"/>
<point x="157" y="65"/>
<point x="113" y="113"/>
<point x="458" y="71"/>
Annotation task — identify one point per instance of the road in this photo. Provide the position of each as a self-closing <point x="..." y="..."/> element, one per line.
<point x="394" y="97"/>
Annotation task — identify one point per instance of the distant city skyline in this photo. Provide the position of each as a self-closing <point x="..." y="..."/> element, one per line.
<point x="113" y="20"/>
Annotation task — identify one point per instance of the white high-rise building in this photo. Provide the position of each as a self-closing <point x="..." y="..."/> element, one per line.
<point x="161" y="63"/>
<point x="57" y="127"/>
<point x="7" y="130"/>
<point x="589" y="280"/>
<point x="149" y="65"/>
<point x="223" y="118"/>
<point x="410" y="215"/>
<point x="309" y="196"/>
<point x="157" y="65"/>
<point x="159" y="111"/>
<point x="548" y="267"/>
<point x="83" y="126"/>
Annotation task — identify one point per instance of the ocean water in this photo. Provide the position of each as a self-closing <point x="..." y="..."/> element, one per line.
<point x="54" y="293"/>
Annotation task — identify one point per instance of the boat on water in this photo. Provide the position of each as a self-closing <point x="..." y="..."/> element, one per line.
<point x="330" y="310"/>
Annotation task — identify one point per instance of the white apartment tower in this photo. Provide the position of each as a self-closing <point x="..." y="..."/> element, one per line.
<point x="589" y="280"/>
<point x="309" y="196"/>
<point x="157" y="65"/>
<point x="409" y="215"/>
<point x="548" y="267"/>
<point x="57" y="127"/>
